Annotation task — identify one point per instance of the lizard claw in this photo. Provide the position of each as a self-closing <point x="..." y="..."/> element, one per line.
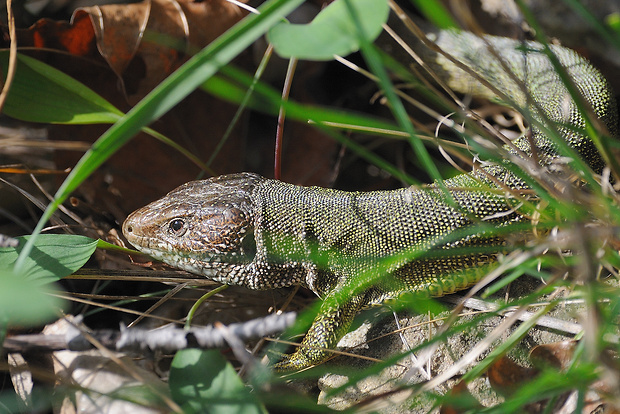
<point x="301" y="359"/>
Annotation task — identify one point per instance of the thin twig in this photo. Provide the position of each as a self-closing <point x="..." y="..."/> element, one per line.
<point x="10" y="73"/>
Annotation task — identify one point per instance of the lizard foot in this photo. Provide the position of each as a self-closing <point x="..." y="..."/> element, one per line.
<point x="331" y="323"/>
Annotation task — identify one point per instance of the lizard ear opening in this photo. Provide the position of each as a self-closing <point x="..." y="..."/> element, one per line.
<point x="248" y="245"/>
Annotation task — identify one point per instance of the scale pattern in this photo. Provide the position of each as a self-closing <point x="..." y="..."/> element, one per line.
<point x="246" y="230"/>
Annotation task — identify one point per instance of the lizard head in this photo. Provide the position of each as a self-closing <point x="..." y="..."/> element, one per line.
<point x="204" y="227"/>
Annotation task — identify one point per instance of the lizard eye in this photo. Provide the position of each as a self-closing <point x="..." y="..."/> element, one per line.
<point x="177" y="227"/>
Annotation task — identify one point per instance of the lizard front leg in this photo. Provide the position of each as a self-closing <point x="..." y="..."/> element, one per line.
<point x="331" y="323"/>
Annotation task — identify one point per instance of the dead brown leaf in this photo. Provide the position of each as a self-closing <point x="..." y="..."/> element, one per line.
<point x="160" y="34"/>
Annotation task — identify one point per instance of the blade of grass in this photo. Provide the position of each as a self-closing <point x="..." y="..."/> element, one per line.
<point x="436" y="13"/>
<point x="38" y="87"/>
<point x="270" y="101"/>
<point x="243" y="103"/>
<point x="373" y="59"/>
<point x="602" y="30"/>
<point x="41" y="93"/>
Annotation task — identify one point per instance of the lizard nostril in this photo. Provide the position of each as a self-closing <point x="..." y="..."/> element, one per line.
<point x="129" y="229"/>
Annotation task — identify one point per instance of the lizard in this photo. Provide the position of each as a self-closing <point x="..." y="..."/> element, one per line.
<point x="244" y="229"/>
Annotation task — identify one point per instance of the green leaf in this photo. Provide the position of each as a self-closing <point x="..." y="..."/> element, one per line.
<point x="24" y="302"/>
<point x="53" y="256"/>
<point x="40" y="93"/>
<point x="332" y="32"/>
<point x="204" y="382"/>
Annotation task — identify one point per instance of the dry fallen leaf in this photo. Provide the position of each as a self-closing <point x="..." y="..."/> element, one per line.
<point x="154" y="36"/>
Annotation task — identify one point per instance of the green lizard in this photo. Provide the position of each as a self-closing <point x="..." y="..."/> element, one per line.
<point x="243" y="229"/>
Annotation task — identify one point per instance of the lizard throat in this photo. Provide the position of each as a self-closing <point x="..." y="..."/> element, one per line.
<point x="214" y="266"/>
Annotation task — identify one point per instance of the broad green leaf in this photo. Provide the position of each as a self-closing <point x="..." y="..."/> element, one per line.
<point x="204" y="382"/>
<point x="24" y="301"/>
<point x="332" y="32"/>
<point x="53" y="256"/>
<point x="40" y="93"/>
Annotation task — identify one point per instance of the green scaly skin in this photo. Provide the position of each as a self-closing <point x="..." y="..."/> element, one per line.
<point x="247" y="230"/>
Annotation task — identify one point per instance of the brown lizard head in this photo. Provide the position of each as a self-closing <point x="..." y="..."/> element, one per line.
<point x="203" y="226"/>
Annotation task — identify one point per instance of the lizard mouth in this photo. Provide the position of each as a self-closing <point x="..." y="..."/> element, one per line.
<point x="222" y="267"/>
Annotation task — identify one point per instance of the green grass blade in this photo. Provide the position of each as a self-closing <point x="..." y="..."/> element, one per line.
<point x="268" y="100"/>
<point x="436" y="13"/>
<point x="375" y="63"/>
<point x="41" y="93"/>
<point x="603" y="30"/>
